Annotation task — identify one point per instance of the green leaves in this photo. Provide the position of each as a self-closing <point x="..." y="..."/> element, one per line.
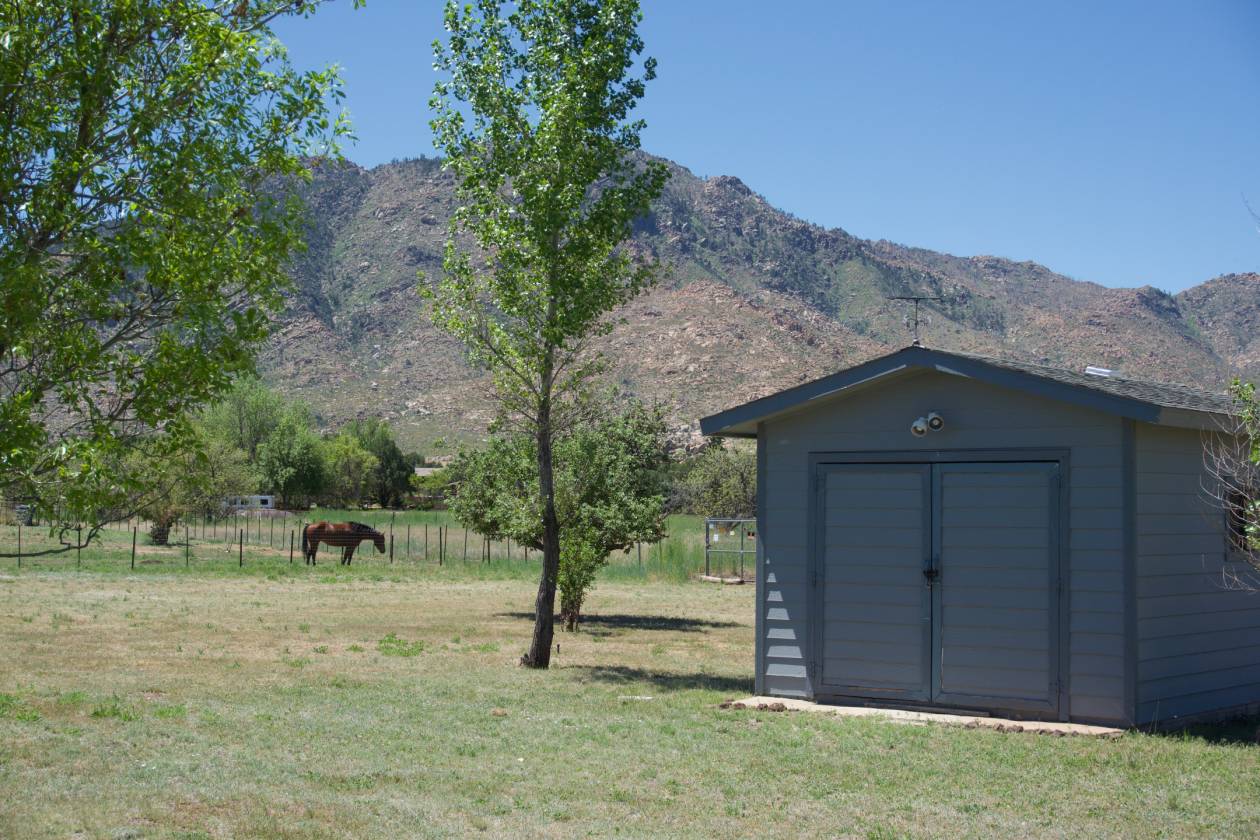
<point x="610" y="488"/>
<point x="532" y="120"/>
<point x="145" y="221"/>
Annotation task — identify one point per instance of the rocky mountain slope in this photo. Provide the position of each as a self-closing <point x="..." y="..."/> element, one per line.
<point x="754" y="300"/>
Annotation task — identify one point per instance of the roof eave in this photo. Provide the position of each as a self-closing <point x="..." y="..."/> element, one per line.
<point x="742" y="420"/>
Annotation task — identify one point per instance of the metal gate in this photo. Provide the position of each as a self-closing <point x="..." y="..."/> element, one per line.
<point x="730" y="547"/>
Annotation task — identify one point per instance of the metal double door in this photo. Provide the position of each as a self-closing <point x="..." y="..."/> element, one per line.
<point x="939" y="583"/>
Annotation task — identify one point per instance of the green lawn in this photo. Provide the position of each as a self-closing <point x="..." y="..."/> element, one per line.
<point x="371" y="704"/>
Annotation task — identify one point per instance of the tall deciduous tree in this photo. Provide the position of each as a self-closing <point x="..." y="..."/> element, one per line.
<point x="291" y="459"/>
<point x="349" y="467"/>
<point x="534" y="119"/>
<point x="145" y="146"/>
<point x="722" y="482"/>
<point x="390" y="479"/>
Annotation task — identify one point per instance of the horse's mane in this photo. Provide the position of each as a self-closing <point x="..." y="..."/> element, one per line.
<point x="360" y="527"/>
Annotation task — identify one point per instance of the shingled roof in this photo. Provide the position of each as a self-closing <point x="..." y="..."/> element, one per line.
<point x="1155" y="393"/>
<point x="1150" y="402"/>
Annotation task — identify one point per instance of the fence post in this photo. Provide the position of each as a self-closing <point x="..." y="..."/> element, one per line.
<point x="240" y="547"/>
<point x="187" y="546"/>
<point x="426" y="542"/>
<point x="441" y="546"/>
<point x="19" y="545"/>
<point x="408" y="551"/>
<point x="465" y="543"/>
<point x="391" y="549"/>
<point x="271" y="534"/>
<point x="78" y="546"/>
<point x="741" y="550"/>
<point x="135" y="530"/>
<point x="291" y="535"/>
<point x="640" y="555"/>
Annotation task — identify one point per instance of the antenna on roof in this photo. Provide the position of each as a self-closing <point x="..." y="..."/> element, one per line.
<point x="917" y="300"/>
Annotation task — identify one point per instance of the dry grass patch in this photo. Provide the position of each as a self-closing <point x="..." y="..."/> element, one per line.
<point x="188" y="706"/>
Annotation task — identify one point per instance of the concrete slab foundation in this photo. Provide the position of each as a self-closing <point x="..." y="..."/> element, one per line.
<point x="922" y="718"/>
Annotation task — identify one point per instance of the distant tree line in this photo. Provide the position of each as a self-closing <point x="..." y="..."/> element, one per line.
<point x="254" y="441"/>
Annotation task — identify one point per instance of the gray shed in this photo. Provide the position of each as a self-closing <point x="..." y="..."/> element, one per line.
<point x="1048" y="552"/>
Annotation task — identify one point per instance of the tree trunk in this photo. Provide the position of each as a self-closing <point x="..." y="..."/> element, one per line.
<point x="160" y="531"/>
<point x="539" y="654"/>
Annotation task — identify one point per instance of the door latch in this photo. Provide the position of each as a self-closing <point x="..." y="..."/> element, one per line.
<point x="931" y="575"/>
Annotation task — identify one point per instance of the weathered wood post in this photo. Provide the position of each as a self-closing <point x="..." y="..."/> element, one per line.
<point x="291" y="538"/>
<point x="391" y="549"/>
<point x="465" y="558"/>
<point x="135" y="531"/>
<point x="240" y="547"/>
<point x="78" y="546"/>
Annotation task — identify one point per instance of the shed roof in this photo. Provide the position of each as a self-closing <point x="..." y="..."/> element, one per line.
<point x="1149" y="402"/>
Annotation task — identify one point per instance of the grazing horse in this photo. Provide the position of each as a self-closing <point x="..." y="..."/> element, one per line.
<point x="346" y="535"/>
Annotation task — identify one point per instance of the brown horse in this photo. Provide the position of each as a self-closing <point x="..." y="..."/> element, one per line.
<point x="345" y="535"/>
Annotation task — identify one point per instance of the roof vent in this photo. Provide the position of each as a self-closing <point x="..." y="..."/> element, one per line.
<point x="1091" y="370"/>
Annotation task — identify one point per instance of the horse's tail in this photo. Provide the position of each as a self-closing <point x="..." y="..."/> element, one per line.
<point x="304" y="530"/>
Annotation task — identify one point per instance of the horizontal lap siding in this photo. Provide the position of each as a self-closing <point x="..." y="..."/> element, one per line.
<point x="1198" y="640"/>
<point x="977" y="416"/>
<point x="874" y="601"/>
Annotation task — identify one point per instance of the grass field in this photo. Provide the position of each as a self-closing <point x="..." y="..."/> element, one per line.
<point x="369" y="704"/>
<point x="261" y="546"/>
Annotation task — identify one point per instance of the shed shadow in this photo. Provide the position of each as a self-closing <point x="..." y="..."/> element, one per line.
<point x="1242" y="730"/>
<point x="619" y="621"/>
<point x="664" y="680"/>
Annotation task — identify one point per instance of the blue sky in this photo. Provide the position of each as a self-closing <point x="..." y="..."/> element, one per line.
<point x="1112" y="142"/>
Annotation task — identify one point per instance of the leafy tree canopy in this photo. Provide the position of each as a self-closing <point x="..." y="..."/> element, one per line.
<point x="144" y="223"/>
<point x="721" y="482"/>
<point x="291" y="460"/>
<point x="390" y="477"/>
<point x="610" y="493"/>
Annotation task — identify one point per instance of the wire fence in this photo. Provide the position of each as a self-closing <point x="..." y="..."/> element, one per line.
<point x="273" y="540"/>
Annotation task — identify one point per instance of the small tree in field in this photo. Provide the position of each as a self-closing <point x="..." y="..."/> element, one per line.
<point x="193" y="482"/>
<point x="610" y="490"/>
<point x="534" y="121"/>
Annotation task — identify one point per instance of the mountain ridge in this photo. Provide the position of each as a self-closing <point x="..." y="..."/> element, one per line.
<point x="754" y="300"/>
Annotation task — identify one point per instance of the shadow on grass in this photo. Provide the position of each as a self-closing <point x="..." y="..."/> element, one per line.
<point x="665" y="680"/>
<point x="616" y="621"/>
<point x="1236" y="731"/>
